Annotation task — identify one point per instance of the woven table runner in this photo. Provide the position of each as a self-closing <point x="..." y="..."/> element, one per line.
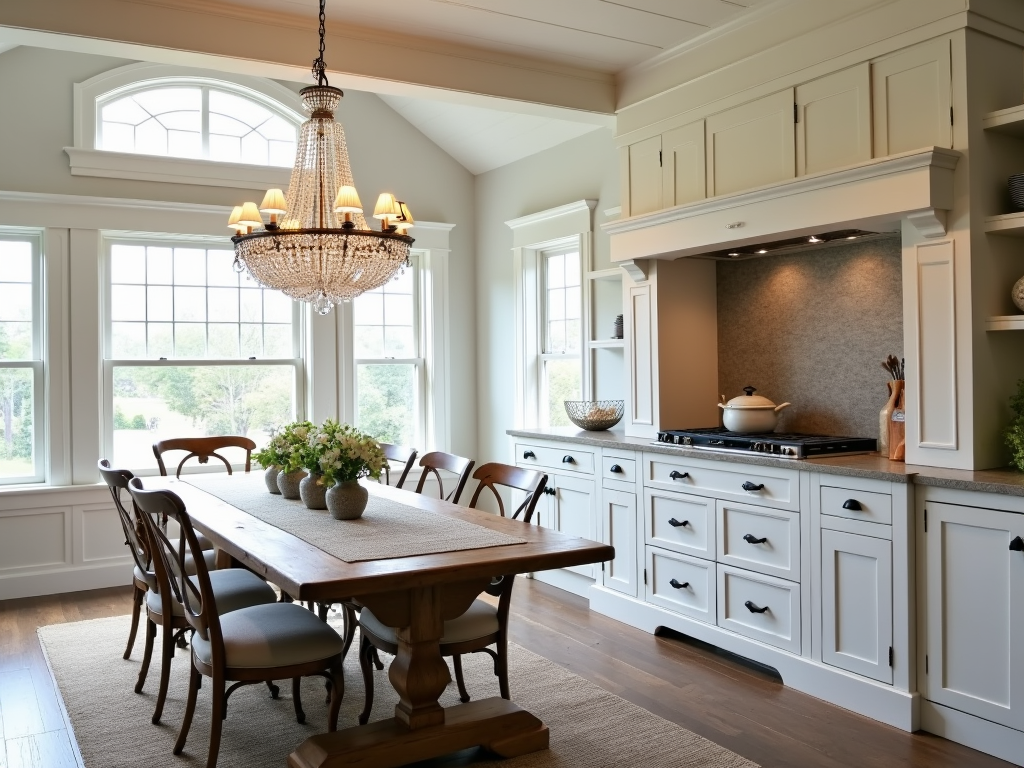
<point x="387" y="529"/>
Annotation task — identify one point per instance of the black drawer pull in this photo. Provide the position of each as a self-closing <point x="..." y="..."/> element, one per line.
<point x="751" y="539"/>
<point x="567" y="459"/>
<point x="676" y="524"/>
<point x="1017" y="545"/>
<point x="529" y="455"/>
<point x="754" y="609"/>
<point x="549" y="491"/>
<point x="615" y="468"/>
<point x="852" y="504"/>
<point x="677" y="475"/>
<point x="677" y="585"/>
<point x="749" y="486"/>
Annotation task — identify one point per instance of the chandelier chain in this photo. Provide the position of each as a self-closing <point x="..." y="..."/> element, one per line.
<point x="319" y="67"/>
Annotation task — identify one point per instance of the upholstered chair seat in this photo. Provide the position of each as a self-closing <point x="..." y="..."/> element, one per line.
<point x="481" y="620"/>
<point x="234" y="588"/>
<point x="149" y="577"/>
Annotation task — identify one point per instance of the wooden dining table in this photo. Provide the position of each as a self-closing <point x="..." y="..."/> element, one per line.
<point x="414" y="594"/>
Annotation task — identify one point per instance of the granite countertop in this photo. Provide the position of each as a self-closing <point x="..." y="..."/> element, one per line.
<point x="1006" y="481"/>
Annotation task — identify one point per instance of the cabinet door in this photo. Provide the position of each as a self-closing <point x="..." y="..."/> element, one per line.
<point x="644" y="176"/>
<point x="683" y="174"/>
<point x="751" y="145"/>
<point x="834" y="121"/>
<point x="572" y="512"/>
<point x="912" y="101"/>
<point x="618" y="528"/>
<point x="856" y="603"/>
<point x="974" y="604"/>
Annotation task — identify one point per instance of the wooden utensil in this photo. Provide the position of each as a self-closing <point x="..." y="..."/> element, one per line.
<point x="897" y="425"/>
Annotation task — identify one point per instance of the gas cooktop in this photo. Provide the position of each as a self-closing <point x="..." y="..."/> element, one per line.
<point x="783" y="446"/>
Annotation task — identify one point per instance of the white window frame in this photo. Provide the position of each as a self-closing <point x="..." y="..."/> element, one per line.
<point x="109" y="363"/>
<point x="571" y="246"/>
<point x="37" y="364"/>
<point x="90" y="95"/>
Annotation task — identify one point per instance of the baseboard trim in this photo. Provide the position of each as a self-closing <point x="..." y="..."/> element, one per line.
<point x="67" y="579"/>
<point x="974" y="732"/>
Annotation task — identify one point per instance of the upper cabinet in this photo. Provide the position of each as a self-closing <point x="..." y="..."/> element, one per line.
<point x="912" y="99"/>
<point x="683" y="177"/>
<point x="643" y="174"/>
<point x="751" y="145"/>
<point x="833" y="126"/>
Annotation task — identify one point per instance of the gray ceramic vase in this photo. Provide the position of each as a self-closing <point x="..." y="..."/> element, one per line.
<point x="288" y="483"/>
<point x="270" y="478"/>
<point x="312" y="492"/>
<point x="347" y="500"/>
<point x="1018" y="294"/>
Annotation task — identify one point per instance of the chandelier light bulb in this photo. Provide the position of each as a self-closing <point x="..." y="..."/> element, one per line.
<point x="348" y="200"/>
<point x="387" y="208"/>
<point x="274" y="205"/>
<point x="236" y="214"/>
<point x="250" y="216"/>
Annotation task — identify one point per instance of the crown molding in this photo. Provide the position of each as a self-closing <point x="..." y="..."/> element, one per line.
<point x="552" y="213"/>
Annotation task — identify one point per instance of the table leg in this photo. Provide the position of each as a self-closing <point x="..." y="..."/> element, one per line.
<point x="418" y="673"/>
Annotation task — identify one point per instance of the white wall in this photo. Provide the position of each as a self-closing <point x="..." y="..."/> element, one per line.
<point x="584" y="168"/>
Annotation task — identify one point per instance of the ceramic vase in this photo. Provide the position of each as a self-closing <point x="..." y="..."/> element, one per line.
<point x="347" y="500"/>
<point x="1017" y="294"/>
<point x="270" y="478"/>
<point x="313" y="492"/>
<point x="288" y="483"/>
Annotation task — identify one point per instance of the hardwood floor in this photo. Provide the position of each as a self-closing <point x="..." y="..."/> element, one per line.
<point x="719" y="697"/>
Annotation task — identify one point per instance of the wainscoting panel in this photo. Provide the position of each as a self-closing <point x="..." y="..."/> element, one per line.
<point x="37" y="538"/>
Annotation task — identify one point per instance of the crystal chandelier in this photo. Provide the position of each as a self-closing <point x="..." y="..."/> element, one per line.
<point x="316" y="246"/>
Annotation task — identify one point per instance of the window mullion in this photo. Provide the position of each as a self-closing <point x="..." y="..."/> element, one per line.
<point x="205" y="121"/>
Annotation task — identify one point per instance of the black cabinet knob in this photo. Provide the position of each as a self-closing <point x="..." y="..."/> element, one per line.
<point x="529" y="455"/>
<point x="754" y="609"/>
<point x="677" y="585"/>
<point x="676" y="524"/>
<point x="852" y="504"/>
<point x="567" y="459"/>
<point x="615" y="468"/>
<point x="751" y="539"/>
<point x="1017" y="545"/>
<point x="549" y="491"/>
<point x="749" y="486"/>
<point x="676" y="475"/>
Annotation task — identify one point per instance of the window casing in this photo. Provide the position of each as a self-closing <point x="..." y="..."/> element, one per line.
<point x="192" y="348"/>
<point x="561" y="361"/>
<point x="22" y="382"/>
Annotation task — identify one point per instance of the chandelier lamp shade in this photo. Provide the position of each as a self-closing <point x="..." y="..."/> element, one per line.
<point x="316" y="245"/>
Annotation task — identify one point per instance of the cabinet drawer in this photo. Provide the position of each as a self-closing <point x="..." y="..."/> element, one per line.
<point x="567" y="459"/>
<point x="680" y="522"/>
<point x="769" y="486"/>
<point x="761" y="607"/>
<point x="763" y="540"/>
<point x="869" y="506"/>
<point x="620" y="470"/>
<point x="682" y="584"/>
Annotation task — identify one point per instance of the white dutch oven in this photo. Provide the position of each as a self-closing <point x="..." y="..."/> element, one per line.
<point x="750" y="413"/>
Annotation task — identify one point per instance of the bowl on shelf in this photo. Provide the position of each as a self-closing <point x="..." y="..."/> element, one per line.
<point x="595" y="415"/>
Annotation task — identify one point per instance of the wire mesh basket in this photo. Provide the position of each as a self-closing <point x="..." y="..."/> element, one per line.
<point x="594" y="415"/>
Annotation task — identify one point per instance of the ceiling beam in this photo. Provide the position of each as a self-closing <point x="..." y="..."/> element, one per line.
<point x="204" y="33"/>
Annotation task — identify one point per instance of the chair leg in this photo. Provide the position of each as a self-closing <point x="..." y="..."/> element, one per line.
<point x="137" y="595"/>
<point x="376" y="658"/>
<point x="351" y="622"/>
<point x="503" y="667"/>
<point x="322" y="609"/>
<point x="365" y="664"/>
<point x="216" y="722"/>
<point x="300" y="716"/>
<point x="274" y="690"/>
<point x="147" y="655"/>
<point x="194" y="681"/>
<point x="459" y="679"/>
<point x="166" y="654"/>
<point x="337" y="673"/>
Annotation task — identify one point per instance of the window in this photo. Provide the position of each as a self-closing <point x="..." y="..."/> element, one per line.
<point x="21" y="360"/>
<point x="561" y="364"/>
<point x="388" y="362"/>
<point x="193" y="349"/>
<point x="198" y="121"/>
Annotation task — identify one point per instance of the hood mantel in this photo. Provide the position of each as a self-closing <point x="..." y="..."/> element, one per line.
<point x="875" y="196"/>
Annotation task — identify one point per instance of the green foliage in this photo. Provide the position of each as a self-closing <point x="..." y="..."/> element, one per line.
<point x="138" y="421"/>
<point x="386" y="402"/>
<point x="340" y="452"/>
<point x="1014" y="434"/>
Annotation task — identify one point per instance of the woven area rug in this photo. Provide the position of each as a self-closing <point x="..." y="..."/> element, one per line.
<point x="590" y="727"/>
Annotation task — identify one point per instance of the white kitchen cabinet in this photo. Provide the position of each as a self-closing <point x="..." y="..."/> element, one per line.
<point x="643" y="176"/>
<point x="618" y="528"/>
<point x="856" y="603"/>
<point x="834" y="121"/>
<point x="751" y="145"/>
<point x="684" y="178"/>
<point x="571" y="511"/>
<point x="971" y="580"/>
<point x="912" y="101"/>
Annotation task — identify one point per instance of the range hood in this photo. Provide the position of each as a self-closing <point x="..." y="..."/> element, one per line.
<point x="872" y="197"/>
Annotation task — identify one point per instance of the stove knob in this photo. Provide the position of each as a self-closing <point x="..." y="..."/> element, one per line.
<point x="787" y="451"/>
<point x="687" y="441"/>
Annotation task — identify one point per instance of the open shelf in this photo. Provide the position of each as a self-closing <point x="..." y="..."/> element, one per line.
<point x="1005" y="323"/>
<point x="615" y="273"/>
<point x="1011" y="224"/>
<point x="1009" y="121"/>
<point x="613" y="343"/>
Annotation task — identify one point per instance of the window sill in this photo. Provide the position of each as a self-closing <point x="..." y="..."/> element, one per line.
<point x="38" y="489"/>
<point x="174" y="170"/>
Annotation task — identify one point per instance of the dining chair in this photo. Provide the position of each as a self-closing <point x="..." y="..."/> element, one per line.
<point x="202" y="448"/>
<point x="483" y="625"/>
<point x="400" y="454"/>
<point x="449" y="462"/>
<point x="249" y="645"/>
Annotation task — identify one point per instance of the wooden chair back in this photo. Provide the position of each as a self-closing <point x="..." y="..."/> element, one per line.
<point x="435" y="461"/>
<point x="134" y="531"/>
<point x="496" y="474"/>
<point x="401" y="455"/>
<point x="203" y="448"/>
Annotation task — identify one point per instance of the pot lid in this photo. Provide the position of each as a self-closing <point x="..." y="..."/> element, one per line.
<point x="750" y="400"/>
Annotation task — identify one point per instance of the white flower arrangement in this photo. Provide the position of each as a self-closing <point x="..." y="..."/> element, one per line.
<point x="286" y="448"/>
<point x="340" y="452"/>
